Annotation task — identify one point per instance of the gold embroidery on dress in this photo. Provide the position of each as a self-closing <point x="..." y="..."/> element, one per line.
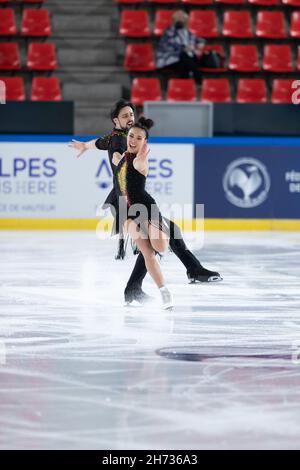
<point x="122" y="179"/>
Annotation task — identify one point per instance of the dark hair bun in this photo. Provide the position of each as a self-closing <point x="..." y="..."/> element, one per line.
<point x="147" y="123"/>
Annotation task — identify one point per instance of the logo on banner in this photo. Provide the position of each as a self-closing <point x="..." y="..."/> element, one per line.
<point x="246" y="183"/>
<point x="103" y="175"/>
<point x="159" y="180"/>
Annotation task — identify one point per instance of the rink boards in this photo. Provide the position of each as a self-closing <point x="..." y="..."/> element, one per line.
<point x="236" y="183"/>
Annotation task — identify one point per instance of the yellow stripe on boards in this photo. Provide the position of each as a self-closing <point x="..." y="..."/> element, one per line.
<point x="48" y="224"/>
<point x="292" y="225"/>
<point x="188" y="225"/>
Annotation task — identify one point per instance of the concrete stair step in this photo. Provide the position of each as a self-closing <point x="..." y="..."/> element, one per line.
<point x="90" y="56"/>
<point x="90" y="121"/>
<point x="93" y="94"/>
<point x="107" y="44"/>
<point x="80" y="23"/>
<point x="80" y="7"/>
<point x="88" y="77"/>
<point x="85" y="57"/>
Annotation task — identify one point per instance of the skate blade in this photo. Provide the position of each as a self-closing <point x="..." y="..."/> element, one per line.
<point x="144" y="301"/>
<point x="133" y="304"/>
<point x="215" y="279"/>
<point x="168" y="308"/>
<point x="206" y="280"/>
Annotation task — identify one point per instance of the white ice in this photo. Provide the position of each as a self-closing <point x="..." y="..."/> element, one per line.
<point x="78" y="370"/>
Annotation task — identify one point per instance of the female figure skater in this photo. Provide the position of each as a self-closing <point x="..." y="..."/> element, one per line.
<point x="148" y="229"/>
<point x="123" y="116"/>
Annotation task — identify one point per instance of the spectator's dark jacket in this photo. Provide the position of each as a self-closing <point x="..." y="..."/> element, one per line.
<point x="171" y="45"/>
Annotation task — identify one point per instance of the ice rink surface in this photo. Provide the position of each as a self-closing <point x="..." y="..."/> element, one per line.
<point x="78" y="370"/>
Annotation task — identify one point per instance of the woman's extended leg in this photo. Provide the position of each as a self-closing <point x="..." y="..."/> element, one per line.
<point x="147" y="251"/>
<point x="151" y="262"/>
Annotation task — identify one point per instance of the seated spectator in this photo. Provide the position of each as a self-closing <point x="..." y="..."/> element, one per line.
<point x="182" y="51"/>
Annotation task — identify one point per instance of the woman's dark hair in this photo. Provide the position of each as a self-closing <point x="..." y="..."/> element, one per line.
<point x="145" y="124"/>
<point x="118" y="106"/>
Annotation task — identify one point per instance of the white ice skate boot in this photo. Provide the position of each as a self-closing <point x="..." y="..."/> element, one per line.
<point x="167" y="298"/>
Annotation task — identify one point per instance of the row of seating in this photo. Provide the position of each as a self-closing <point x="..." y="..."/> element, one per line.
<point x="276" y="58"/>
<point x="40" y="56"/>
<point x="34" y="23"/>
<point x="214" y="90"/>
<point x="42" y="89"/>
<point x="209" y="2"/>
<point x="204" y="23"/>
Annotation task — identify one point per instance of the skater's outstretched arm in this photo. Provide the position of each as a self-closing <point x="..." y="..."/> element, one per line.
<point x="82" y="147"/>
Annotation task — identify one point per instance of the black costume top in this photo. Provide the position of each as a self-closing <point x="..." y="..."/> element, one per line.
<point x="135" y="182"/>
<point x="116" y="141"/>
<point x="130" y="186"/>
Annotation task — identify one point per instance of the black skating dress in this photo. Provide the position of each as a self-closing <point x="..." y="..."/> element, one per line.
<point x="137" y="204"/>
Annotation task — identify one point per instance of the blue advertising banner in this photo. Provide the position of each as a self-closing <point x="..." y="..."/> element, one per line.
<point x="244" y="183"/>
<point x="248" y="181"/>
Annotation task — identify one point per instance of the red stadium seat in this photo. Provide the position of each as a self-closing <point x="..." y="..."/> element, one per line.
<point x="31" y="1"/>
<point x="197" y="2"/>
<point x="15" y="90"/>
<point x="163" y="19"/>
<point x="134" y="23"/>
<point x="139" y="58"/>
<point x="204" y="23"/>
<point x="9" y="56"/>
<point x="282" y="91"/>
<point x="5" y="1"/>
<point x="7" y="22"/>
<point x="45" y="89"/>
<point x="145" y="89"/>
<point x="36" y="23"/>
<point x="237" y="24"/>
<point x="292" y="3"/>
<point x="264" y="2"/>
<point x="181" y="89"/>
<point x="270" y="24"/>
<point x="251" y="90"/>
<point x="244" y="58"/>
<point x="216" y="90"/>
<point x="41" y="56"/>
<point x="277" y="58"/>
<point x="295" y="24"/>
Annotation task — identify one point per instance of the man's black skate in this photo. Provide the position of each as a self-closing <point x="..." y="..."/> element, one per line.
<point x="137" y="294"/>
<point x="203" y="275"/>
